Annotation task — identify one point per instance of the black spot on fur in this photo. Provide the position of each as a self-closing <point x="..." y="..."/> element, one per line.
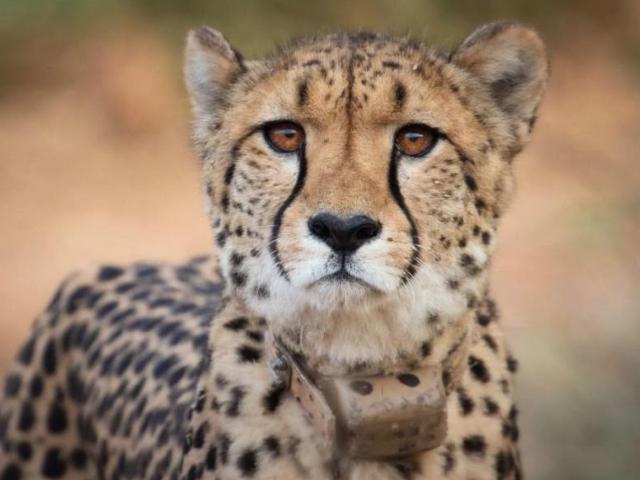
<point x="57" y="418"/>
<point x="478" y="369"/>
<point x="483" y="319"/>
<point x="236" y="324"/>
<point x="390" y="64"/>
<point x="399" y="95"/>
<point x="273" y="398"/>
<point x="24" y="451"/>
<point x="407" y="468"/>
<point x="200" y="400"/>
<point x="510" y="425"/>
<point x="164" y="365"/>
<point x="236" y="259"/>
<point x="512" y="364"/>
<point x="12" y="385"/>
<point x="49" y="361"/>
<point x="11" y="472"/>
<point x="504" y="464"/>
<point x="78" y="295"/>
<point x="106" y="309"/>
<point x="228" y="174"/>
<point x="448" y="457"/>
<point x="36" y="386"/>
<point x="79" y="458"/>
<point x="27" y="417"/>
<point x="188" y="441"/>
<point x="221" y="381"/>
<point x="255" y="335"/>
<point x="469" y="264"/>
<point x="272" y="445"/>
<point x="248" y="463"/>
<point x="192" y="474"/>
<point x="303" y="93"/>
<point x="262" y="291"/>
<point x="510" y="430"/>
<point x="239" y="279"/>
<point x="237" y="393"/>
<point x="225" y="445"/>
<point x="474" y="445"/>
<point x="490" y="342"/>
<point x="471" y="183"/>
<point x="225" y="202"/>
<point x="53" y="465"/>
<point x="198" y="437"/>
<point x="211" y="459"/>
<point x="26" y="353"/>
<point x="247" y="353"/>
<point x="446" y="379"/>
<point x="221" y="238"/>
<point x="504" y="385"/>
<point x="86" y="430"/>
<point x="466" y="402"/>
<point x="109" y="273"/>
<point x="490" y="406"/>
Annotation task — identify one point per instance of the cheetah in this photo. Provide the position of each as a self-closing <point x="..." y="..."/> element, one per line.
<point x="354" y="183"/>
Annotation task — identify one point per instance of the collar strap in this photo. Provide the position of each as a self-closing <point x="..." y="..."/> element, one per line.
<point x="374" y="417"/>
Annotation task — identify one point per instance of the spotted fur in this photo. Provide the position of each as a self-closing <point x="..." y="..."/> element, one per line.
<point x="157" y="371"/>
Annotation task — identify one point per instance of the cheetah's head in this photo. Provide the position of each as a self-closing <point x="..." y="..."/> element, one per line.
<point x="356" y="173"/>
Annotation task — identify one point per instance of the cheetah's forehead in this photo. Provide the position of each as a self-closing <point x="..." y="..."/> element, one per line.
<point x="372" y="77"/>
<point x="354" y="46"/>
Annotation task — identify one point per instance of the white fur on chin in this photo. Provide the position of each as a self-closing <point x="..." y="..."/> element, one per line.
<point x="340" y="324"/>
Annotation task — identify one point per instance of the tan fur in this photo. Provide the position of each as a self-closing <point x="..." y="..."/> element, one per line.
<point x="483" y="98"/>
<point x="418" y="287"/>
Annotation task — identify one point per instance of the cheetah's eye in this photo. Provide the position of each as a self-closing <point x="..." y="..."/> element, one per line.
<point x="284" y="136"/>
<point x="416" y="140"/>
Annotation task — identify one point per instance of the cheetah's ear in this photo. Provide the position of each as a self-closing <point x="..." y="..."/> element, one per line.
<point x="211" y="65"/>
<point x="511" y="60"/>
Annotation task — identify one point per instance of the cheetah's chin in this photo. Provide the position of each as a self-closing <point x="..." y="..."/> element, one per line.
<point x="340" y="279"/>
<point x="331" y="295"/>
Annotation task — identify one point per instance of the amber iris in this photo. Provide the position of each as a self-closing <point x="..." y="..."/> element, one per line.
<point x="415" y="140"/>
<point x="286" y="137"/>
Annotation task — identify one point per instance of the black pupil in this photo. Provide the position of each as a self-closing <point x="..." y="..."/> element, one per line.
<point x="288" y="132"/>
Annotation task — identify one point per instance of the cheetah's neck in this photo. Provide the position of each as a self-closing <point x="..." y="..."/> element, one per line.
<point x="238" y="395"/>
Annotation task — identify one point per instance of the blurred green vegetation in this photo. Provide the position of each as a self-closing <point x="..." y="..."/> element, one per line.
<point x="35" y="32"/>
<point x="255" y="23"/>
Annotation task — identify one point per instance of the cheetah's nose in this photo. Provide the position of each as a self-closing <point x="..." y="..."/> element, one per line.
<point x="344" y="235"/>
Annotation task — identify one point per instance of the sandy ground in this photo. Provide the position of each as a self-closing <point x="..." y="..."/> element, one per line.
<point x="95" y="167"/>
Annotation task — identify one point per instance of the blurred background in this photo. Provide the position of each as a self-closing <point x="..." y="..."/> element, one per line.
<point x="95" y="167"/>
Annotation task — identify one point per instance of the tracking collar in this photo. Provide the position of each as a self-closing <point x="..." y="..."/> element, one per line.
<point x="373" y="417"/>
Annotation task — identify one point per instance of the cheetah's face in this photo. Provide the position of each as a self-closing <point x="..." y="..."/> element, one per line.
<point x="352" y="168"/>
